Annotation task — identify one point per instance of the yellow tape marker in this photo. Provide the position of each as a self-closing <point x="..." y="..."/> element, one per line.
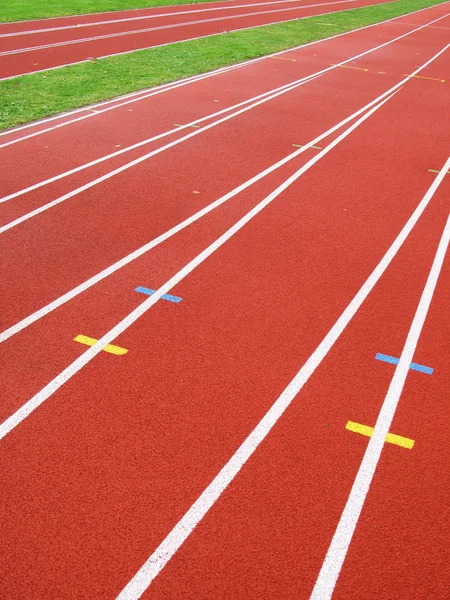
<point x="301" y="146"/>
<point x="284" y="58"/>
<point x="83" y="339"/>
<point x="420" y="77"/>
<point x="346" y="67"/>
<point x="434" y="171"/>
<point x="391" y="438"/>
<point x="179" y="125"/>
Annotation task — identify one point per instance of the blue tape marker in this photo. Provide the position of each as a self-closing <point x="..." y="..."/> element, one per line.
<point x="149" y="292"/>
<point x="394" y="361"/>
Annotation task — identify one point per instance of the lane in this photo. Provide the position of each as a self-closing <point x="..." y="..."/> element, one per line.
<point x="103" y="502"/>
<point x="20" y="59"/>
<point x="415" y="486"/>
<point x="380" y="434"/>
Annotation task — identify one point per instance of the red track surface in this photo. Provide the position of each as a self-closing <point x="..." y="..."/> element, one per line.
<point x="97" y="476"/>
<point x="26" y="47"/>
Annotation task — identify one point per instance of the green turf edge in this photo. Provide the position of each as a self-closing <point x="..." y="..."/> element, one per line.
<point x="33" y="97"/>
<point x="25" y="10"/>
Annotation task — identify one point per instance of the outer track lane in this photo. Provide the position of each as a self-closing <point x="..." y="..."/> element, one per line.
<point x="41" y="58"/>
<point x="204" y="342"/>
<point x="406" y="514"/>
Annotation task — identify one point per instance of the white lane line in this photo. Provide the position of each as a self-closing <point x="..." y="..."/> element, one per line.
<point x="45" y="310"/>
<point x="92" y="351"/>
<point x="182" y="530"/>
<point x="163" y="27"/>
<point x="329" y="573"/>
<point x="141" y="159"/>
<point x="287" y="87"/>
<point x="155" y="92"/>
<point x="146" y="17"/>
<point x="191" y="79"/>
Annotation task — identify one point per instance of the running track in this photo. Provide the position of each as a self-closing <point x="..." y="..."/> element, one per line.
<point x="214" y="453"/>
<point x="30" y="46"/>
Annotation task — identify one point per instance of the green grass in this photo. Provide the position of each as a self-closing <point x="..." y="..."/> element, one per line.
<point x="31" y="97"/>
<point x="22" y="10"/>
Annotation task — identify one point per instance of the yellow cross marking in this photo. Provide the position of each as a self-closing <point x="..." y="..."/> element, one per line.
<point x="180" y="125"/>
<point x="391" y="438"/>
<point x="420" y="77"/>
<point x="284" y="58"/>
<point x="84" y="339"/>
<point x="347" y="67"/>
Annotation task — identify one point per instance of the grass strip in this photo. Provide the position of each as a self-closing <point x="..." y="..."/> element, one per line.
<point x="23" y="10"/>
<point x="39" y="95"/>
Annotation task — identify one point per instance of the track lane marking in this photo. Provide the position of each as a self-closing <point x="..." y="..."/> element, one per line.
<point x="29" y="407"/>
<point x="150" y="292"/>
<point x="284" y="58"/>
<point x="420" y="77"/>
<point x="186" y="525"/>
<point x="301" y="146"/>
<point x="88" y="341"/>
<point x="349" y="67"/>
<point x="337" y="551"/>
<point x="391" y="438"/>
<point x="394" y="361"/>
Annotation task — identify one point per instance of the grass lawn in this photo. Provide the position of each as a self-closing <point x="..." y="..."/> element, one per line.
<point x="21" y="10"/>
<point x="39" y="95"/>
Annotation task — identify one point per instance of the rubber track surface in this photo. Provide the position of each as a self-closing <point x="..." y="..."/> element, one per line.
<point x="97" y="476"/>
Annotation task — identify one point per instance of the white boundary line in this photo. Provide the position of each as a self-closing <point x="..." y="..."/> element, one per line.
<point x="32" y="404"/>
<point x="335" y="557"/>
<point x="152" y="16"/>
<point x="176" y="538"/>
<point x="288" y="87"/>
<point x="163" y="27"/>
<point x="191" y="79"/>
<point x="158" y="240"/>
